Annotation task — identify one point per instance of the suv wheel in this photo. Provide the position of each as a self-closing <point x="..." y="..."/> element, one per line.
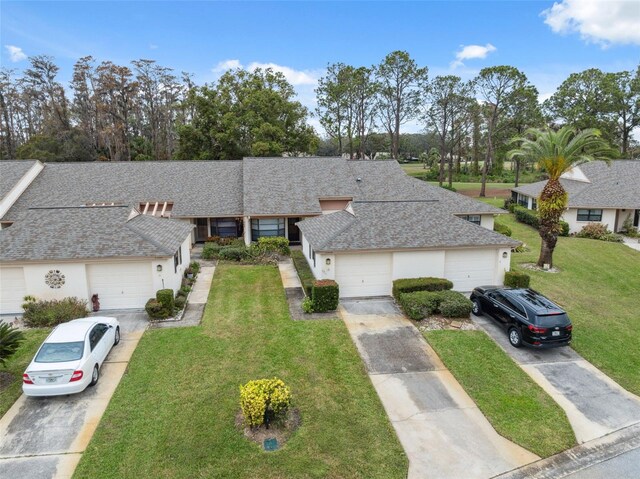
<point x="515" y="337"/>
<point x="475" y="308"/>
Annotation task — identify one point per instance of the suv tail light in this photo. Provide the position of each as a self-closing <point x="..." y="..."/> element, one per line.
<point x="570" y="327"/>
<point x="536" y="329"/>
<point x="76" y="376"/>
<point x="26" y="379"/>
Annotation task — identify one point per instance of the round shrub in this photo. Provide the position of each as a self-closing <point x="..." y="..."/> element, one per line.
<point x="455" y="305"/>
<point x="261" y="397"/>
<point x="41" y="313"/>
<point x="165" y="298"/>
<point x="502" y="229"/>
<point x="516" y="279"/>
<point x="156" y="310"/>
<point x="307" y="305"/>
<point x="180" y="302"/>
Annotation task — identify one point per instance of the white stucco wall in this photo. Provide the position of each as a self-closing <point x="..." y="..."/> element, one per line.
<point x="571" y="217"/>
<point x="486" y="221"/>
<point x="75" y="280"/>
<point x="317" y="269"/>
<point x="172" y="279"/>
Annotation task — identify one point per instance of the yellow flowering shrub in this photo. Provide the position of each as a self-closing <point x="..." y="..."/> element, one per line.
<point x="262" y="395"/>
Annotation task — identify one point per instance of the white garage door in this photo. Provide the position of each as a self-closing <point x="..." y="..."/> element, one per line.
<point x="363" y="274"/>
<point x="12" y="290"/>
<point x="470" y="268"/>
<point x="121" y="285"/>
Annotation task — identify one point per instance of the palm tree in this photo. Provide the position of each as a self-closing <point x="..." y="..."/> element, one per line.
<point x="556" y="152"/>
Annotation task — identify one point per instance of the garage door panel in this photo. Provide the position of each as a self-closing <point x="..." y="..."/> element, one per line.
<point x="470" y="268"/>
<point x="121" y="285"/>
<point x="363" y="275"/>
<point x="13" y="289"/>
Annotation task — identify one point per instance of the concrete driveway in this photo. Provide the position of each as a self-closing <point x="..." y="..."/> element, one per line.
<point x="442" y="431"/>
<point x="594" y="404"/>
<point x="43" y="438"/>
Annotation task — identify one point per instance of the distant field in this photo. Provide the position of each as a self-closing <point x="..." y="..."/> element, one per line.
<point x="493" y="190"/>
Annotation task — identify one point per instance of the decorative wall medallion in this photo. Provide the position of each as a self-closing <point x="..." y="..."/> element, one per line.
<point x="54" y="279"/>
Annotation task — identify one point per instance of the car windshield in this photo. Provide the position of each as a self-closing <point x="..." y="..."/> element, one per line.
<point x="550" y="320"/>
<point x="60" y="352"/>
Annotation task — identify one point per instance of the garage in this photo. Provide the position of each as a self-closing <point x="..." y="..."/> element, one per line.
<point x="470" y="268"/>
<point x="121" y="285"/>
<point x="365" y="274"/>
<point x="12" y="290"/>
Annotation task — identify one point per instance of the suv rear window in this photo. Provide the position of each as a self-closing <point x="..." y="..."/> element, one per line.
<point x="549" y="320"/>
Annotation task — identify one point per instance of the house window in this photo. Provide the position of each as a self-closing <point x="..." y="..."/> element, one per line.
<point x="313" y="253"/>
<point x="224" y="227"/>
<point x="475" y="219"/>
<point x="523" y="201"/>
<point x="267" y="227"/>
<point x="177" y="259"/>
<point x="589" y="215"/>
<point x="534" y="204"/>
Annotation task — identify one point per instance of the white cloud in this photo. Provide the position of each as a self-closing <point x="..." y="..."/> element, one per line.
<point x="295" y="77"/>
<point x="468" y="52"/>
<point x="15" y="53"/>
<point x="153" y="46"/>
<point x="598" y="21"/>
<point x="225" y="65"/>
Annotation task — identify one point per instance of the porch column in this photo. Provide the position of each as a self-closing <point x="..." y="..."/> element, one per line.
<point x="247" y="230"/>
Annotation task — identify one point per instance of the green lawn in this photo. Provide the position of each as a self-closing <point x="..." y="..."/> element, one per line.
<point x="517" y="407"/>
<point x="172" y="415"/>
<point x="17" y="364"/>
<point x="598" y="285"/>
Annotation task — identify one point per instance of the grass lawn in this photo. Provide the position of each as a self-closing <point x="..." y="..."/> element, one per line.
<point x="17" y="364"/>
<point x="598" y="285"/>
<point x="517" y="407"/>
<point x="172" y="415"/>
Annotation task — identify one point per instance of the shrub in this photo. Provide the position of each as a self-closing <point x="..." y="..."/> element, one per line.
<point x="420" y="304"/>
<point x="516" y="279"/>
<point x="325" y="295"/>
<point x="274" y="244"/>
<point x="226" y="241"/>
<point x="165" y="298"/>
<point x="181" y="293"/>
<point x="612" y="237"/>
<point x="262" y="397"/>
<point x="528" y="217"/>
<point x="211" y="250"/>
<point x="38" y="314"/>
<point x="304" y="271"/>
<point x="564" y="228"/>
<point x="233" y="253"/>
<point x="455" y="305"/>
<point x="155" y="309"/>
<point x="195" y="267"/>
<point x="507" y="204"/>
<point x="502" y="229"/>
<point x="409" y="285"/>
<point x="598" y="231"/>
<point x="180" y="302"/>
<point x="628" y="228"/>
<point x="10" y="339"/>
<point x="185" y="289"/>
<point x="307" y="305"/>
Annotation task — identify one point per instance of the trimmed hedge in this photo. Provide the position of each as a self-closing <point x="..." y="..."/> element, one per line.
<point x="156" y="310"/>
<point x="275" y="244"/>
<point x="180" y="302"/>
<point x="233" y="253"/>
<point x="516" y="279"/>
<point x="325" y="295"/>
<point x="165" y="298"/>
<point x="564" y="228"/>
<point x="211" y="250"/>
<point x="502" y="229"/>
<point x="420" y="304"/>
<point x="304" y="271"/>
<point x="528" y="217"/>
<point x="410" y="285"/>
<point x="43" y="313"/>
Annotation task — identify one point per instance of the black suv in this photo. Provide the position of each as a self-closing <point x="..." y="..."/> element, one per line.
<point x="527" y="316"/>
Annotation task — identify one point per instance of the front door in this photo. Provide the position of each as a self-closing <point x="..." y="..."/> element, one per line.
<point x="636" y="219"/>
<point x="294" y="231"/>
<point x="202" y="229"/>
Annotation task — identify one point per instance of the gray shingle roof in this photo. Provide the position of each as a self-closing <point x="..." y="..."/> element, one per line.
<point x="292" y="186"/>
<point x="396" y="225"/>
<point x="610" y="186"/>
<point x="81" y="233"/>
<point x="11" y="172"/>
<point x="196" y="188"/>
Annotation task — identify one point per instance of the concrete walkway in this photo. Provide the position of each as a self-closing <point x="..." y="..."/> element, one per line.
<point x="594" y="404"/>
<point x="289" y="274"/>
<point x="43" y="438"/>
<point x="632" y="242"/>
<point x="442" y="431"/>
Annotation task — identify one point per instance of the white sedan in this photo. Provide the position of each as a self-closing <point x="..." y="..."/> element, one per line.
<point x="70" y="358"/>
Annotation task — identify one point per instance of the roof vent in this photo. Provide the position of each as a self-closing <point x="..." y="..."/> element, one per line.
<point x="358" y="179"/>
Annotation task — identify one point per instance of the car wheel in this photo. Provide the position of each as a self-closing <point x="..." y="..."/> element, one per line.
<point x="117" y="338"/>
<point x="515" y="338"/>
<point x="475" y="308"/>
<point x="95" y="376"/>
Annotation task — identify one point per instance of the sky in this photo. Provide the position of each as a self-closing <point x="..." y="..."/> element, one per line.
<point x="546" y="40"/>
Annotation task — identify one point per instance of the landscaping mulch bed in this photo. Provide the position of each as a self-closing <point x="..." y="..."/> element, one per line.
<point x="535" y="267"/>
<point x="438" y="323"/>
<point x="281" y="430"/>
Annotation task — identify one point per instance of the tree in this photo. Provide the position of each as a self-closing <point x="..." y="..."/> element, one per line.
<point x="333" y="103"/>
<point x="625" y="105"/>
<point x="400" y="83"/>
<point x="557" y="152"/>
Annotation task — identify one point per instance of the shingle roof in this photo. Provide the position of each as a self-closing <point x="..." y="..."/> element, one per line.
<point x="292" y="186"/>
<point x="616" y="185"/>
<point x="396" y="225"/>
<point x="196" y="188"/>
<point x="11" y="172"/>
<point x="98" y="232"/>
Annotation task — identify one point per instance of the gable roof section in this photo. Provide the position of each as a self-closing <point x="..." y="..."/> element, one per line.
<point x="11" y="172"/>
<point x="610" y="186"/>
<point x="90" y="232"/>
<point x="396" y="225"/>
<point x="196" y="188"/>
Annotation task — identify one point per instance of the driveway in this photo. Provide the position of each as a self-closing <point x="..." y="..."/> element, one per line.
<point x="442" y="431"/>
<point x="45" y="437"/>
<point x="594" y="404"/>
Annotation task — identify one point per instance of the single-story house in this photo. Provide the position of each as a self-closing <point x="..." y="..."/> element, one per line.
<point x="113" y="251"/>
<point x="419" y="229"/>
<point x="598" y="193"/>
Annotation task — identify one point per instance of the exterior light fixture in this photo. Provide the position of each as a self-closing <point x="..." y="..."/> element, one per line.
<point x="328" y="261"/>
<point x="159" y="268"/>
<point x="505" y="254"/>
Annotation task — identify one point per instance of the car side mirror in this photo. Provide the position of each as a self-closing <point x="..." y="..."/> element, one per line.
<point x="111" y="326"/>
